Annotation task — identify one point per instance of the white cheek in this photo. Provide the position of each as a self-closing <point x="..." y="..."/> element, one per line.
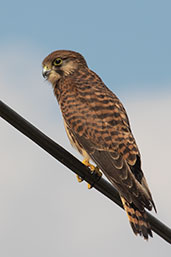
<point x="54" y="77"/>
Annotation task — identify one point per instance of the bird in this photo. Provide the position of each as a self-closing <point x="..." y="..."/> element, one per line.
<point x="98" y="126"/>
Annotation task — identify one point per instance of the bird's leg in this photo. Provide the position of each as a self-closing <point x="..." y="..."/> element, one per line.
<point x="95" y="170"/>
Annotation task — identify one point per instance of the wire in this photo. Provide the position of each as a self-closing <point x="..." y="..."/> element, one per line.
<point x="74" y="164"/>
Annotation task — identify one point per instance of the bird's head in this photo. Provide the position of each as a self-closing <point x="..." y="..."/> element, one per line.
<point x="61" y="63"/>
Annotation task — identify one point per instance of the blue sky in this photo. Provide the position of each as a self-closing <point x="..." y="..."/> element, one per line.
<point x="127" y="42"/>
<point x="43" y="210"/>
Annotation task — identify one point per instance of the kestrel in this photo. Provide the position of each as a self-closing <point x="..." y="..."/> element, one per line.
<point x="98" y="127"/>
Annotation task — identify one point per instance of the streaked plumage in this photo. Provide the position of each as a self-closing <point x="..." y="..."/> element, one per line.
<point x="97" y="125"/>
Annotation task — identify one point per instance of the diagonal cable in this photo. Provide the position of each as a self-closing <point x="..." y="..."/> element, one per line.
<point x="74" y="164"/>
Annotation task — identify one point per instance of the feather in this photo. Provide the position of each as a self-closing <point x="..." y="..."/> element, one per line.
<point x="98" y="126"/>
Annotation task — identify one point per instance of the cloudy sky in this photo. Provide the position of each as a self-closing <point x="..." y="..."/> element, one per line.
<point x="43" y="210"/>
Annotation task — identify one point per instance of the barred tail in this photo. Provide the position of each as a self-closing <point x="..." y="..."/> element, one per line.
<point x="138" y="220"/>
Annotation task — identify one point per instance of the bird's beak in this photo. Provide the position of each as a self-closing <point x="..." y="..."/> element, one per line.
<point x="46" y="72"/>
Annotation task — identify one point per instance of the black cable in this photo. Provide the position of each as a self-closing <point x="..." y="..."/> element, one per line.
<point x="74" y="164"/>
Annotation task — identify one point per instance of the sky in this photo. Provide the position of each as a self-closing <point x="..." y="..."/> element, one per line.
<point x="44" y="211"/>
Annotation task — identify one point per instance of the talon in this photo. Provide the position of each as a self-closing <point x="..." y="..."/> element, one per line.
<point x="86" y="162"/>
<point x="95" y="170"/>
<point x="89" y="186"/>
<point x="92" y="167"/>
<point x="79" y="179"/>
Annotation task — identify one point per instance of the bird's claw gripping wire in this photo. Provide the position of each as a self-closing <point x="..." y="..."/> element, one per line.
<point x="94" y="170"/>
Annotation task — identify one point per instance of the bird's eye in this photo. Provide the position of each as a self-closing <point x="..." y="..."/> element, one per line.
<point x="57" y="62"/>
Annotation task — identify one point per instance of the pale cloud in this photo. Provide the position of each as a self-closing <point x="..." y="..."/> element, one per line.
<point x="43" y="210"/>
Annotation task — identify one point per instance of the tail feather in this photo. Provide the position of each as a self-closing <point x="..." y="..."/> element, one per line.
<point x="138" y="220"/>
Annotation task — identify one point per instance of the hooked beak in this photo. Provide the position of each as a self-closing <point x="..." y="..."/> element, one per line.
<point x="46" y="72"/>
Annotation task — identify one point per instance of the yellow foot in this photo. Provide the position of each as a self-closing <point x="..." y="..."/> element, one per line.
<point x="79" y="178"/>
<point x="95" y="170"/>
<point x="89" y="186"/>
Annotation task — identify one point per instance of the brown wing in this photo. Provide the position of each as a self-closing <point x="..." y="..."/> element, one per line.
<point x="98" y="121"/>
